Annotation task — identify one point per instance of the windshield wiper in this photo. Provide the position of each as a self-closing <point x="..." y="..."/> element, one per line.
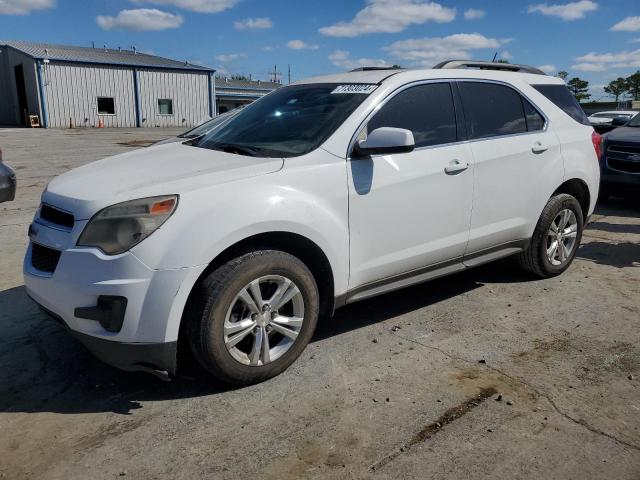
<point x="239" y="149"/>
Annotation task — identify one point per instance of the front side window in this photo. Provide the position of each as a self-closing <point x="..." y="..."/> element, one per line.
<point x="288" y="122"/>
<point x="106" y="106"/>
<point x="427" y="110"/>
<point x="165" y="106"/>
<point x="492" y="110"/>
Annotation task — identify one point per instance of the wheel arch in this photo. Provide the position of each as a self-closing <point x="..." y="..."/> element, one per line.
<point x="578" y="189"/>
<point x="293" y="243"/>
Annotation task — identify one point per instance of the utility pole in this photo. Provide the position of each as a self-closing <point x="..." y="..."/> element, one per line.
<point x="275" y="74"/>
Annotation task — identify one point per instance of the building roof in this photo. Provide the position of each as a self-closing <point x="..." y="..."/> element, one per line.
<point x="105" y="56"/>
<point x="223" y="82"/>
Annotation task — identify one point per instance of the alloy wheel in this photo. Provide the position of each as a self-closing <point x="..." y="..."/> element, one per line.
<point x="264" y="320"/>
<point x="561" y="237"/>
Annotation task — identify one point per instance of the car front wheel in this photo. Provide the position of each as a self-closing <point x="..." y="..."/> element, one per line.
<point x="254" y="316"/>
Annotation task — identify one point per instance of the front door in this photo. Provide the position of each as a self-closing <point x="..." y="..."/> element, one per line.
<point x="411" y="210"/>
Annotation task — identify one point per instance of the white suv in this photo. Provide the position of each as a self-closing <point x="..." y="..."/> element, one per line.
<point x="324" y="192"/>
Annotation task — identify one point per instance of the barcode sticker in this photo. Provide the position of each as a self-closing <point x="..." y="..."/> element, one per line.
<point x="356" y="88"/>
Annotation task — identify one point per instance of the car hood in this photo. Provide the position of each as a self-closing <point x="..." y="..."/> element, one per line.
<point x="624" y="134"/>
<point x="159" y="170"/>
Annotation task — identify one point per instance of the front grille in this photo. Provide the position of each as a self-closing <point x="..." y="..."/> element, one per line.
<point x="624" y="158"/>
<point x="624" y="149"/>
<point x="623" y="166"/>
<point x="44" y="258"/>
<point x="58" y="217"/>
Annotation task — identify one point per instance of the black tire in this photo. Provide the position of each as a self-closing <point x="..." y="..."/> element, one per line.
<point x="214" y="297"/>
<point x="534" y="257"/>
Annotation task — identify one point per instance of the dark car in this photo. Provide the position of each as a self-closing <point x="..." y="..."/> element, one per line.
<point x="621" y="159"/>
<point x="7" y="182"/>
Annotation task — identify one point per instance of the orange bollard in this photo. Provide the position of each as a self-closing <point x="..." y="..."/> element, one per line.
<point x="100" y="123"/>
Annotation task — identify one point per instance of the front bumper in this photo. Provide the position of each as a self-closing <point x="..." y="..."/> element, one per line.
<point x="8" y="184"/>
<point x="155" y="301"/>
<point x="159" y="359"/>
<point x="621" y="181"/>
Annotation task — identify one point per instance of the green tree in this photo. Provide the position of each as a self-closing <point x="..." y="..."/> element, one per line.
<point x="579" y="88"/>
<point x="617" y="87"/>
<point x="395" y="66"/>
<point x="563" y="75"/>
<point x="633" y="85"/>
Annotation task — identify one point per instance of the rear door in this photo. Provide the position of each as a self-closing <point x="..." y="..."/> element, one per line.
<point x="517" y="164"/>
<point x="411" y="210"/>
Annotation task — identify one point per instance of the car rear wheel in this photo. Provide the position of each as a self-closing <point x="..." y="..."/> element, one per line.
<point x="254" y="316"/>
<point x="556" y="238"/>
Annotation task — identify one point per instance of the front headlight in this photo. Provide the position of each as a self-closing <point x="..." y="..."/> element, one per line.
<point x="120" y="227"/>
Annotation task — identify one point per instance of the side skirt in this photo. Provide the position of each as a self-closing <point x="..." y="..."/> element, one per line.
<point x="430" y="272"/>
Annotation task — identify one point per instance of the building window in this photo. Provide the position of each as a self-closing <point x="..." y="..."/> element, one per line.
<point x="106" y="106"/>
<point x="165" y="106"/>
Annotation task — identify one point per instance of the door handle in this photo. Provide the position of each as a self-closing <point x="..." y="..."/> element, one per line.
<point x="456" y="166"/>
<point x="538" y="147"/>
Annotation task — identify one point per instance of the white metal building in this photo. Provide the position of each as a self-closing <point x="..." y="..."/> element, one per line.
<point x="78" y="86"/>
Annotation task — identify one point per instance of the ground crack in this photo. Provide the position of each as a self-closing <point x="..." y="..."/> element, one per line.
<point x="431" y="429"/>
<point x="540" y="393"/>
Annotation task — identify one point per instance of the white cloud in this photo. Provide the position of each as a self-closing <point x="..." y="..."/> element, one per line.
<point x="202" y="6"/>
<point x="506" y="55"/>
<point x="261" y="23"/>
<point x="24" y="7"/>
<point x="142" y="19"/>
<point x="588" y="67"/>
<point x="599" y="62"/>
<point x="629" y="24"/>
<point x="474" y="14"/>
<point x="300" y="45"/>
<point x="390" y="16"/>
<point x="635" y="40"/>
<point x="567" y="12"/>
<point x="549" y="69"/>
<point x="342" y="59"/>
<point x="230" y="57"/>
<point x="426" y="52"/>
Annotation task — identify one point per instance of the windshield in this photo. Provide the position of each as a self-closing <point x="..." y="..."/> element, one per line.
<point x="634" y="122"/>
<point x="288" y="122"/>
<point x="208" y="125"/>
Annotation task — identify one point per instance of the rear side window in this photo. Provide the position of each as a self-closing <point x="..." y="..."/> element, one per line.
<point x="561" y="96"/>
<point x="427" y="110"/>
<point x="492" y="109"/>
<point x="535" y="121"/>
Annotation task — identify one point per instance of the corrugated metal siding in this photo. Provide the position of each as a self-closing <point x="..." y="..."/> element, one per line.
<point x="72" y="91"/>
<point x="189" y="92"/>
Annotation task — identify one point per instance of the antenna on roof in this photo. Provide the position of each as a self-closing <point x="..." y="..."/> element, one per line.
<point x="494" y="56"/>
<point x="133" y="47"/>
<point x="105" y="47"/>
<point x="93" y="44"/>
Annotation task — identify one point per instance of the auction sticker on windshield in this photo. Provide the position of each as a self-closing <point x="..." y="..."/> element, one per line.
<point x="366" y="89"/>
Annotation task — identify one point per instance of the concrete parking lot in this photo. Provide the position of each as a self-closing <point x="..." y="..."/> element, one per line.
<point x="486" y="374"/>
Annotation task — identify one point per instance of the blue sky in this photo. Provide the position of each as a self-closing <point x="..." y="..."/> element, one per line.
<point x="596" y="40"/>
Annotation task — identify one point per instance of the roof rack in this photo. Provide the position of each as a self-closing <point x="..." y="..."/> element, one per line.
<point x="372" y="69"/>
<point x="506" y="67"/>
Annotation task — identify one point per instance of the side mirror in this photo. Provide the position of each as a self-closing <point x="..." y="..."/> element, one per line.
<point x="384" y="141"/>
<point x="619" y="121"/>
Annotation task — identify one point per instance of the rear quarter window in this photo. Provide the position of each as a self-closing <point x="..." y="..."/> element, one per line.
<point x="562" y="98"/>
